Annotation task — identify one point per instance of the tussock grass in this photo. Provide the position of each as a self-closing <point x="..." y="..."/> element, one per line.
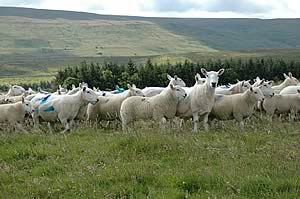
<point x="262" y="162"/>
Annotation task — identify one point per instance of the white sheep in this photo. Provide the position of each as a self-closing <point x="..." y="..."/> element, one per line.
<point x="15" y="90"/>
<point x="281" y="104"/>
<point x="289" y="81"/>
<point x="15" y="113"/>
<point x="290" y="90"/>
<point x="237" y="106"/>
<point x="257" y="81"/>
<point x="62" y="107"/>
<point x="14" y="99"/>
<point x="198" y="80"/>
<point x="239" y="87"/>
<point x="108" y="107"/>
<point x="152" y="91"/>
<point x="159" y="108"/>
<point x="200" y="100"/>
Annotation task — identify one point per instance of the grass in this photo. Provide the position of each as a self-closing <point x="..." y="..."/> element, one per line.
<point x="262" y="162"/>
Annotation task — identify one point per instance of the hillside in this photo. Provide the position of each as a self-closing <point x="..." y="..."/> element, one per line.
<point x="34" y="40"/>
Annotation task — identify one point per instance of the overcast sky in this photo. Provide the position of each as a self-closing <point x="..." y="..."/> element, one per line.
<point x="172" y="8"/>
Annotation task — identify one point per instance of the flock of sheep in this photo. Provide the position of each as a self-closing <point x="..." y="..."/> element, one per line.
<point x="175" y="102"/>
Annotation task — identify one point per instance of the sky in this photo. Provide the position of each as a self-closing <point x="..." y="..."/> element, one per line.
<point x="265" y="9"/>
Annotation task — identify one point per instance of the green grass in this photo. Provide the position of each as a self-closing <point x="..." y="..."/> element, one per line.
<point x="262" y="162"/>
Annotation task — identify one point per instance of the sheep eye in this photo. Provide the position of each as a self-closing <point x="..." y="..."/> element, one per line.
<point x="88" y="92"/>
<point x="266" y="86"/>
<point x="255" y="92"/>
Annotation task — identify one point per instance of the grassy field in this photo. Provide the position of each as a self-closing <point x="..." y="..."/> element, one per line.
<point x="262" y="162"/>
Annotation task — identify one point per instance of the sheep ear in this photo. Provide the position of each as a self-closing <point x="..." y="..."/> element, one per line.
<point x="290" y="74"/>
<point x="221" y="71"/>
<point x="175" y="77"/>
<point x="196" y="77"/>
<point x="172" y="86"/>
<point x="204" y="72"/>
<point x="133" y="86"/>
<point x="262" y="81"/>
<point x="73" y="86"/>
<point x="285" y="76"/>
<point x="251" y="89"/>
<point x="129" y="86"/>
<point x="243" y="82"/>
<point x="169" y="77"/>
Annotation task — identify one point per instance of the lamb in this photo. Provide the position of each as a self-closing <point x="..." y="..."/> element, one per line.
<point x="237" y="106"/>
<point x="152" y="91"/>
<point x="289" y="81"/>
<point x="239" y="87"/>
<point x="15" y="113"/>
<point x="108" y="107"/>
<point x="159" y="108"/>
<point x="280" y="104"/>
<point x="200" y="100"/>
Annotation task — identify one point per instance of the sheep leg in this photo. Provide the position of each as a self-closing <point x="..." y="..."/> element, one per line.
<point x="72" y="125"/>
<point x="205" y="122"/>
<point x="241" y="125"/>
<point x="66" y="125"/>
<point x="19" y="127"/>
<point x="124" y="125"/>
<point x="49" y="127"/>
<point x="195" y="121"/>
<point x="163" y="122"/>
<point x="36" y="121"/>
<point x="292" y="115"/>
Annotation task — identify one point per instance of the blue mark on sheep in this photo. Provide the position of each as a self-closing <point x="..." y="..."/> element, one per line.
<point x="49" y="109"/>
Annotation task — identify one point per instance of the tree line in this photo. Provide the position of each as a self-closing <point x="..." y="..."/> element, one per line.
<point x="107" y="75"/>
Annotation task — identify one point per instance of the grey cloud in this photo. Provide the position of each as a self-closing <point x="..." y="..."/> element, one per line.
<point x="238" y="6"/>
<point x="173" y="5"/>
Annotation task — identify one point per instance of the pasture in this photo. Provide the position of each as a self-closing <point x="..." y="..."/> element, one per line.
<point x="261" y="162"/>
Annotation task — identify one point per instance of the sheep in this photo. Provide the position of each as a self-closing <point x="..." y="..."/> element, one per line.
<point x="14" y="99"/>
<point x="289" y="81"/>
<point x="290" y="90"/>
<point x="152" y="91"/>
<point x="200" y="100"/>
<point x="257" y="81"/>
<point x="239" y="87"/>
<point x="15" y="90"/>
<point x="198" y="80"/>
<point x="280" y="104"/>
<point x="266" y="89"/>
<point x="63" y="107"/>
<point x="2" y="99"/>
<point x="159" y="108"/>
<point x="15" y="113"/>
<point x="237" y="106"/>
<point x="108" y="107"/>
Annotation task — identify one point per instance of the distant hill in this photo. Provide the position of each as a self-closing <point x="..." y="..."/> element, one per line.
<point x="36" y="39"/>
<point x="225" y="34"/>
